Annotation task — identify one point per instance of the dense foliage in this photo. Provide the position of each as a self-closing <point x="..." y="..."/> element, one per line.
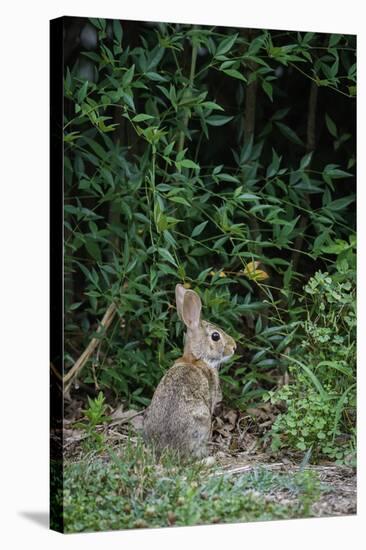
<point x="191" y="153"/>
<point x="320" y="407"/>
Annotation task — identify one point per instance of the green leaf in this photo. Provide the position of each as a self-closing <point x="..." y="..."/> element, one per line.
<point x="75" y="306"/>
<point x="187" y="163"/>
<point x="218" y="120"/>
<point x="169" y="238"/>
<point x="173" y="96"/>
<point x="307" y="38"/>
<point x="141" y="117"/>
<point x="169" y="148"/>
<point x="228" y="64"/>
<point x="335" y="173"/>
<point x="310" y="374"/>
<point x="228" y="177"/>
<point x="84" y="184"/>
<point x="100" y="24"/>
<point x="332" y="128"/>
<point x="179" y="200"/>
<point x="156" y="76"/>
<point x="82" y="92"/>
<point x="166" y="269"/>
<point x="198" y="229"/>
<point x="247" y="197"/>
<point x="217" y="169"/>
<point x="155" y="57"/>
<point x="273" y="168"/>
<point x="117" y="30"/>
<point x="166" y="255"/>
<point x="340" y="204"/>
<point x="93" y="249"/>
<point x="71" y="136"/>
<point x="235" y="74"/>
<point x="268" y="89"/>
<point x="334" y="39"/>
<point x="128" y="99"/>
<point x="92" y="55"/>
<point x="226" y="45"/>
<point x="211" y="105"/>
<point x="107" y="176"/>
<point x="289" y="133"/>
<point x="128" y="76"/>
<point x="305" y="161"/>
<point x="98" y="150"/>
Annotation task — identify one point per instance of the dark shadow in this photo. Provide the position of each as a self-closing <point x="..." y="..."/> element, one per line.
<point x="42" y="518"/>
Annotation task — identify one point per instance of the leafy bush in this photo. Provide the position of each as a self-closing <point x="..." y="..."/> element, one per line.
<point x="321" y="400"/>
<point x="191" y="153"/>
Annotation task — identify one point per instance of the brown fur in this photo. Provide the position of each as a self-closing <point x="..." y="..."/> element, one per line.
<point x="179" y="415"/>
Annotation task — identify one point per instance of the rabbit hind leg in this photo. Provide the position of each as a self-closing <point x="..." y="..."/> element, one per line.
<point x="199" y="434"/>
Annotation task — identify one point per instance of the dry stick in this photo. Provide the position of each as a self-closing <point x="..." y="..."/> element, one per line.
<point x="310" y="146"/>
<point x="55" y="371"/>
<point x="95" y="363"/>
<point x="105" y="323"/>
<point x="125" y="419"/>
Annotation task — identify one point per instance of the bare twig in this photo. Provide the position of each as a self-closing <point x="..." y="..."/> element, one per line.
<point x="95" y="363"/>
<point x="55" y="371"/>
<point x="125" y="417"/>
<point x="105" y="323"/>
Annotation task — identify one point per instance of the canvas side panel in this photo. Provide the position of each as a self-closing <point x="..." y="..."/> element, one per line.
<point x="56" y="274"/>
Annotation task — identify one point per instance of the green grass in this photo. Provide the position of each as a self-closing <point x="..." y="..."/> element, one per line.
<point x="131" y="490"/>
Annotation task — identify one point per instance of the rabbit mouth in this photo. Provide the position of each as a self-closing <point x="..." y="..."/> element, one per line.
<point x="215" y="363"/>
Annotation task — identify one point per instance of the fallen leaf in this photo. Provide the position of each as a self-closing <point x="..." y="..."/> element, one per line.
<point x="231" y="416"/>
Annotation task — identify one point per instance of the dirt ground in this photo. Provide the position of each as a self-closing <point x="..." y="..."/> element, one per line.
<point x="338" y="482"/>
<point x="237" y="448"/>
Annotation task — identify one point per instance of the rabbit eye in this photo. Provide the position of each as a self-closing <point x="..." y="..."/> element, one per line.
<point x="215" y="336"/>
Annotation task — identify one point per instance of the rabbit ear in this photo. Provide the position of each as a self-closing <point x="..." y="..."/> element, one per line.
<point x="191" y="311"/>
<point x="179" y="297"/>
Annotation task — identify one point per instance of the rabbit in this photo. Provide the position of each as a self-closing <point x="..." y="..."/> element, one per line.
<point x="180" y="412"/>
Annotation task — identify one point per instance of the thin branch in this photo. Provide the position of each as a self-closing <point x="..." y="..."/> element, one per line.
<point x="55" y="371"/>
<point x="316" y="82"/>
<point x="105" y="323"/>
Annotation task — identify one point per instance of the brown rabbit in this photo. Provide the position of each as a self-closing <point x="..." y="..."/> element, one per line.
<point x="179" y="415"/>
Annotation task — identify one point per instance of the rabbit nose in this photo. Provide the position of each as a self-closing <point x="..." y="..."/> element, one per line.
<point x="233" y="347"/>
